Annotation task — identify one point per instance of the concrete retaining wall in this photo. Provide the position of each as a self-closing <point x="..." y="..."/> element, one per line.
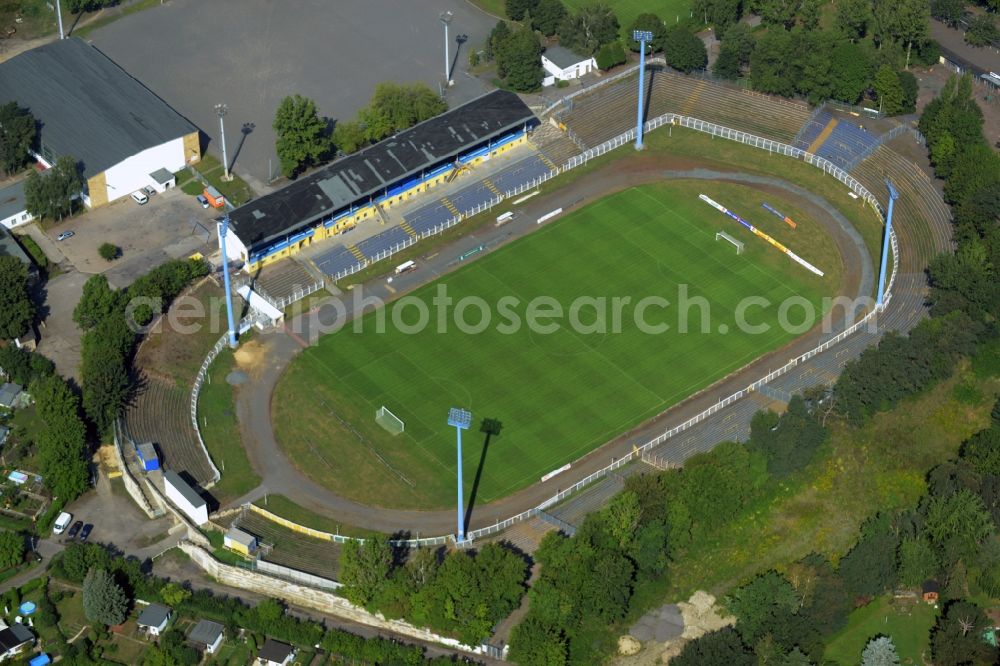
<point x="300" y="595"/>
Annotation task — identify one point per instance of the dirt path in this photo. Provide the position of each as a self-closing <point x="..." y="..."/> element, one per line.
<point x="279" y="474"/>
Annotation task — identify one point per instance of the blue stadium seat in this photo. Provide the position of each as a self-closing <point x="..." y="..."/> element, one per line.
<point x="336" y="260"/>
<point x="389" y="238"/>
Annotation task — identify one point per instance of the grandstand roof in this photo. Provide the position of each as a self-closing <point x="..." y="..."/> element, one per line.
<point x="351" y="178"/>
<point x="86" y="105"/>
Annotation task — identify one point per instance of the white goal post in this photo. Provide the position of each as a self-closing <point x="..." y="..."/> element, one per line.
<point x="723" y="235"/>
<point x="392" y="423"/>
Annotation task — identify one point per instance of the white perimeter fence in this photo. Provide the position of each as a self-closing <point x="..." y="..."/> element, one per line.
<point x="639" y="452"/>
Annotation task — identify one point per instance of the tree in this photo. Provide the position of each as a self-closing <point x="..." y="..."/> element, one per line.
<point x="854" y="17"/>
<point x="589" y="28"/>
<point x="956" y="524"/>
<point x="769" y="64"/>
<point x="719" y="13"/>
<point x="610" y="56"/>
<point x="948" y="11"/>
<point x="16" y="308"/>
<point x="547" y="16"/>
<point x="103" y="600"/>
<point x="97" y="302"/>
<point x="11" y="549"/>
<point x="61" y="439"/>
<point x="302" y="139"/>
<point x="917" y="562"/>
<point x="174" y="595"/>
<point x="869" y="568"/>
<point x="533" y="642"/>
<point x="52" y="194"/>
<point x="778" y="12"/>
<point x="500" y="32"/>
<point x="109" y="251"/>
<point x="518" y="57"/>
<point x="880" y="651"/>
<point x="889" y="91"/>
<point x="905" y="21"/>
<point x="787" y="442"/>
<point x="18" y="129"/>
<point x="850" y="72"/>
<point x="516" y="9"/>
<point x="395" y="107"/>
<point x="364" y="569"/>
<point x="765" y="602"/>
<point x="956" y="638"/>
<point x="684" y="51"/>
<point x="982" y="31"/>
<point x="653" y="24"/>
<point x="104" y="371"/>
<point x="718" y="647"/>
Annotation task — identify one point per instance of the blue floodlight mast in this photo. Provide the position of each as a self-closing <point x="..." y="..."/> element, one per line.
<point x="641" y="36"/>
<point x="223" y="228"/>
<point x="461" y="419"/>
<point x="893" y="195"/>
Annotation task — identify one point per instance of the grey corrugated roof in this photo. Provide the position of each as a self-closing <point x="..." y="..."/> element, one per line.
<point x="355" y="177"/>
<point x="205" y="632"/>
<point x="8" y="394"/>
<point x="153" y="615"/>
<point x="12" y="200"/>
<point x="275" y="651"/>
<point x="162" y="176"/>
<point x="11" y="248"/>
<point x="563" y="57"/>
<point x="183" y="488"/>
<point x="239" y="536"/>
<point x="88" y="106"/>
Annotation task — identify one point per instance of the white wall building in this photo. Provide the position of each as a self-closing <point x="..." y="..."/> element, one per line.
<point x="561" y="64"/>
<point x="185" y="498"/>
<point x="13" y="211"/>
<point x="122" y="136"/>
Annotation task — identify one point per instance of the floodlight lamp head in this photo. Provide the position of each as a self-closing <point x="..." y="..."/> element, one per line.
<point x="446" y="17"/>
<point x="222" y="109"/>
<point x="642" y="35"/>
<point x="460" y="418"/>
<point x="893" y="194"/>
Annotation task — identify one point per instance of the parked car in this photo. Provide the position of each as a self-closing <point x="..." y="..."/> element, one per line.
<point x="73" y="531"/>
<point x="202" y="200"/>
<point x="139" y="197"/>
<point x="149" y="190"/>
<point x="64" y="235"/>
<point x="85" y="532"/>
<point x="62" y="522"/>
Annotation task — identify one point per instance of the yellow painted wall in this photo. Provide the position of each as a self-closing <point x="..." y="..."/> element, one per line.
<point x="236" y="547"/>
<point x="192" y="148"/>
<point x="97" y="190"/>
<point x="369" y="212"/>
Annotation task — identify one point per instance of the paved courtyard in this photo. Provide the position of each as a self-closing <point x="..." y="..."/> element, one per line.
<point x="252" y="53"/>
<point x="172" y="225"/>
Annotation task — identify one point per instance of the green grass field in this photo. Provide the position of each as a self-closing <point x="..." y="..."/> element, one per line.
<point x="907" y="623"/>
<point x="557" y="395"/>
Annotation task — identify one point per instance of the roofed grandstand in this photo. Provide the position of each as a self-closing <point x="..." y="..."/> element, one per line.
<point x="336" y="197"/>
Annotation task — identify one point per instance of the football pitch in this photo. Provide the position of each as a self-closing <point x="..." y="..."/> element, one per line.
<point x="557" y="394"/>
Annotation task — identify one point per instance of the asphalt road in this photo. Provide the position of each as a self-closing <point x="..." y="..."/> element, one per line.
<point x="250" y="54"/>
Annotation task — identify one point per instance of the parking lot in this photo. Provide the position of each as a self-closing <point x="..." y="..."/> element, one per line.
<point x="172" y="225"/>
<point x="250" y="54"/>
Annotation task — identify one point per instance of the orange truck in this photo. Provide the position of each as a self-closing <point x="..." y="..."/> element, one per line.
<point x="215" y="199"/>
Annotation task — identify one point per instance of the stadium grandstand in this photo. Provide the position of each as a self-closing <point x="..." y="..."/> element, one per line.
<point x="358" y="187"/>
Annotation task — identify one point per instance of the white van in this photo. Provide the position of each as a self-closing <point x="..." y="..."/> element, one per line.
<point x="62" y="522"/>
<point x="140" y="197"/>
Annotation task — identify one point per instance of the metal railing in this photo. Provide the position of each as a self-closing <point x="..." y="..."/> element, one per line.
<point x="295" y="576"/>
<point x="444" y="226"/>
<point x="713" y="129"/>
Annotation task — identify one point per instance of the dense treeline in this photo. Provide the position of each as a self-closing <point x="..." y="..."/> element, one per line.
<point x="965" y="285"/>
<point x="462" y="593"/>
<point x="16" y="308"/>
<point x="588" y="582"/>
<point x="266" y="618"/>
<point x="109" y="319"/>
<point x="948" y="537"/>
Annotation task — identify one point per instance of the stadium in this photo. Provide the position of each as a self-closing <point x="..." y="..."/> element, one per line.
<point x="358" y="421"/>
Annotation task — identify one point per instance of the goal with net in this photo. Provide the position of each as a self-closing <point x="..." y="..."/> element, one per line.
<point x="724" y="236"/>
<point x="389" y="421"/>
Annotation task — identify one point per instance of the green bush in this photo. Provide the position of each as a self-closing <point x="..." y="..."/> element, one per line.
<point x="29" y="244"/>
<point x="610" y="55"/>
<point x="109" y="251"/>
